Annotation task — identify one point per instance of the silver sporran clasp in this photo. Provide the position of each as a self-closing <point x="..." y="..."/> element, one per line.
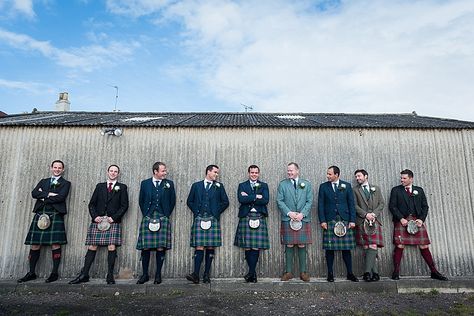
<point x="412" y="227"/>
<point x="104" y="224"/>
<point x="296" y="224"/>
<point x="340" y="229"/>
<point x="44" y="221"/>
<point x="154" y="225"/>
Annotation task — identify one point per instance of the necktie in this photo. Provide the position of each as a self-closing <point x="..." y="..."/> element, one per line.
<point x="366" y="192"/>
<point x="208" y="186"/>
<point x="407" y="189"/>
<point x="334" y="186"/>
<point x="294" y="183"/>
<point x="252" y="184"/>
<point x="109" y="189"/>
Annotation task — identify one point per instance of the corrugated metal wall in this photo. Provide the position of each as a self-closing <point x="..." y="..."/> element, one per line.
<point x="442" y="161"/>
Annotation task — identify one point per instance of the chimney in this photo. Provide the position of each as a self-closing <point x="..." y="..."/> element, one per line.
<point x="63" y="103"/>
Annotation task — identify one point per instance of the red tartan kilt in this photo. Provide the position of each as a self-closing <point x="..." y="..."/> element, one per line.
<point x="363" y="239"/>
<point x="402" y="237"/>
<point x="289" y="236"/>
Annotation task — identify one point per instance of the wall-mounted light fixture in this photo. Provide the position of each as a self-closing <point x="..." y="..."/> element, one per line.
<point x="114" y="131"/>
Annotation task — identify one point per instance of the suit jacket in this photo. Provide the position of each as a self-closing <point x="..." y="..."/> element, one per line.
<point x="218" y="200"/>
<point x="295" y="200"/>
<point x="167" y="198"/>
<point x="113" y="204"/>
<point x="250" y="201"/>
<point x="331" y="203"/>
<point x="57" y="202"/>
<point x="374" y="204"/>
<point x="399" y="203"/>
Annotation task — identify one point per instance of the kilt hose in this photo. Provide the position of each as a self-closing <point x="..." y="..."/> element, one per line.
<point x="247" y="237"/>
<point x="289" y="236"/>
<point x="54" y="234"/>
<point x="332" y="242"/>
<point x="151" y="240"/>
<point x="112" y="236"/>
<point x="402" y="237"/>
<point x="206" y="238"/>
<point x="364" y="239"/>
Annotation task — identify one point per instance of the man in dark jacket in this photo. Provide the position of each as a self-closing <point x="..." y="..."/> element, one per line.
<point x="47" y="227"/>
<point x="207" y="200"/>
<point x="409" y="208"/>
<point x="108" y="204"/>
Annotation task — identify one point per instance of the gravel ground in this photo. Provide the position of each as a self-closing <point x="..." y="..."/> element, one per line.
<point x="176" y="302"/>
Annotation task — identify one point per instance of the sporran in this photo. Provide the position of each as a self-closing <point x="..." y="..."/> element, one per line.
<point x="370" y="227"/>
<point x="412" y="228"/>
<point x="154" y="225"/>
<point x="44" y="221"/>
<point x="295" y="224"/>
<point x="340" y="229"/>
<point x="104" y="224"/>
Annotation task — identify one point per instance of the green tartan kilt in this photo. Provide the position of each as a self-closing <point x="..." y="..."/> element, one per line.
<point x="54" y="234"/>
<point x="206" y="238"/>
<point x="332" y="242"/>
<point x="159" y="239"/>
<point x="247" y="237"/>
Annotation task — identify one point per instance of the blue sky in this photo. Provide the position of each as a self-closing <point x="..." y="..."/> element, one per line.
<point x="383" y="56"/>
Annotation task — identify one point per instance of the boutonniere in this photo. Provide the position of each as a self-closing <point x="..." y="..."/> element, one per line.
<point x="302" y="185"/>
<point x="372" y="189"/>
<point x="116" y="188"/>
<point x="217" y="184"/>
<point x="256" y="185"/>
<point x="342" y="187"/>
<point x="167" y="185"/>
<point x="415" y="192"/>
<point x="55" y="183"/>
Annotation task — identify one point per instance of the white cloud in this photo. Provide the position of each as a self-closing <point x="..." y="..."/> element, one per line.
<point x="31" y="87"/>
<point x="86" y="58"/>
<point x="17" y="7"/>
<point x="357" y="56"/>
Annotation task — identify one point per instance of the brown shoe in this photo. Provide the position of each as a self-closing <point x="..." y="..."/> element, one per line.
<point x="304" y="276"/>
<point x="287" y="276"/>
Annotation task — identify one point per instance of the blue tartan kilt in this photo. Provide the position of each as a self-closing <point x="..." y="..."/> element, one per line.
<point x="364" y="239"/>
<point x="54" y="234"/>
<point x="402" y="237"/>
<point x="289" y="236"/>
<point x="159" y="239"/>
<point x="206" y="238"/>
<point x="247" y="237"/>
<point x="332" y="242"/>
<point x="112" y="236"/>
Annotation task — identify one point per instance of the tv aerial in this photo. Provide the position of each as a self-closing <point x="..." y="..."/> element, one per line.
<point x="116" y="96"/>
<point x="247" y="107"/>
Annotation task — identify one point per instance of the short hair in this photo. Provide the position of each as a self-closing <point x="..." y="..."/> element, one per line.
<point x="294" y="164"/>
<point x="408" y="172"/>
<point x="156" y="166"/>
<point x="365" y="173"/>
<point x="253" y="167"/>
<point x="336" y="170"/>
<point x="210" y="167"/>
<point x="57" y="161"/>
<point x="114" y="166"/>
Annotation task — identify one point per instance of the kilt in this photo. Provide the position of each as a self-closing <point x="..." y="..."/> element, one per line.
<point x="246" y="237"/>
<point x="402" y="237"/>
<point x="363" y="239"/>
<point x="54" y="234"/>
<point x="289" y="236"/>
<point x="206" y="238"/>
<point x="332" y="242"/>
<point x="112" y="236"/>
<point x="159" y="239"/>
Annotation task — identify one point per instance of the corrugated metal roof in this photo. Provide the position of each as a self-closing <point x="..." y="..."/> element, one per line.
<point x="203" y="119"/>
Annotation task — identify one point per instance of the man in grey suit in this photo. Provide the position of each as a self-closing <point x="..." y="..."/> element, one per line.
<point x="369" y="204"/>
<point x="294" y="200"/>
